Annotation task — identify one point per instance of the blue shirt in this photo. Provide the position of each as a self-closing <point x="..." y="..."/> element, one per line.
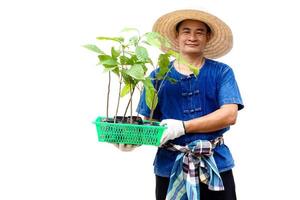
<point x="192" y="97"/>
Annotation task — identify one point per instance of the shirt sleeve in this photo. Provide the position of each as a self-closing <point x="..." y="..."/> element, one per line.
<point x="142" y="107"/>
<point x="228" y="89"/>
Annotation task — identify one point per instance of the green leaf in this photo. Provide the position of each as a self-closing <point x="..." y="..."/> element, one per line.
<point x="126" y="89"/>
<point x="124" y="60"/>
<point x="93" y="48"/>
<point x="134" y="40"/>
<point x="107" y="60"/>
<point x="115" y="53"/>
<point x="171" y="80"/>
<point x="153" y="38"/>
<point x="144" y="68"/>
<point x="126" y="78"/>
<point x="136" y="71"/>
<point x="151" y="97"/>
<point x="115" y="39"/>
<point x="111" y="68"/>
<point x="142" y="53"/>
<point x="193" y="68"/>
<point x="130" y="29"/>
<point x="150" y="61"/>
<point x="157" y="40"/>
<point x="148" y="83"/>
<point x="116" y="71"/>
<point x="133" y="59"/>
<point x="163" y="63"/>
<point x="173" y="53"/>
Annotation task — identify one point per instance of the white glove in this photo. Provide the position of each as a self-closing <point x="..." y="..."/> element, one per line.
<point x="175" y="129"/>
<point x="125" y="147"/>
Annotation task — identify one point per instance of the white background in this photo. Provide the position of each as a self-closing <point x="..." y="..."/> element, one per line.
<point x="51" y="91"/>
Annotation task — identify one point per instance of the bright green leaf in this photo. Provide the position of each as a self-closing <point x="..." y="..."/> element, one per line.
<point x="126" y="89"/>
<point x="150" y="61"/>
<point x="157" y="40"/>
<point x="126" y="78"/>
<point x="152" y="38"/>
<point x="111" y="68"/>
<point x="134" y="40"/>
<point x="144" y="68"/>
<point x="171" y="80"/>
<point x="163" y="63"/>
<point x="107" y="60"/>
<point x="116" y="71"/>
<point x="115" y="53"/>
<point x="133" y="59"/>
<point x="193" y="68"/>
<point x="130" y="29"/>
<point x="148" y="83"/>
<point x="93" y="48"/>
<point x="173" y="53"/>
<point x="142" y="53"/>
<point x="115" y="39"/>
<point x="136" y="71"/>
<point x="151" y="97"/>
<point x="124" y="60"/>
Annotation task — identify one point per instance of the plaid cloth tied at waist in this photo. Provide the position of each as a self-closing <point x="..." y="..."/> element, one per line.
<point x="195" y="163"/>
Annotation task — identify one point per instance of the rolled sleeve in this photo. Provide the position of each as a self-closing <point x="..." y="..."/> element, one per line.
<point x="228" y="90"/>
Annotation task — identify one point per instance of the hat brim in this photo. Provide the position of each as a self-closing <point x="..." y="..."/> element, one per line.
<point x="221" y="39"/>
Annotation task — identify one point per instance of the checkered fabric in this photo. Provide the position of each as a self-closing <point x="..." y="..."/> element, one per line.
<point x="195" y="163"/>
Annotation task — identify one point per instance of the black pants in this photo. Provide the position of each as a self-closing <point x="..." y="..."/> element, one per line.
<point x="162" y="184"/>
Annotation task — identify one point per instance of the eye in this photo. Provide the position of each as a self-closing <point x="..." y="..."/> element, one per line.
<point x="185" y="31"/>
<point x="200" y="32"/>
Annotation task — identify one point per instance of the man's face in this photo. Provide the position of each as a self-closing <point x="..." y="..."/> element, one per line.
<point x="192" y="37"/>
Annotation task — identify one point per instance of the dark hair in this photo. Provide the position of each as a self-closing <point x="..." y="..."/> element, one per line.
<point x="179" y="24"/>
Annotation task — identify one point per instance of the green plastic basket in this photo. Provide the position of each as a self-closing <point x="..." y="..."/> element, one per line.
<point x="128" y="133"/>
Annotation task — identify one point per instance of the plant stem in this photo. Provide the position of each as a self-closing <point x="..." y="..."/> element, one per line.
<point x="130" y="100"/>
<point x="156" y="94"/>
<point x="152" y="104"/>
<point x="131" y="94"/>
<point x="119" y="97"/>
<point x="108" y="91"/>
<point x="120" y="85"/>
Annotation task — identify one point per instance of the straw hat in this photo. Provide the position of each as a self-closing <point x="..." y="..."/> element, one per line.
<point x="221" y="35"/>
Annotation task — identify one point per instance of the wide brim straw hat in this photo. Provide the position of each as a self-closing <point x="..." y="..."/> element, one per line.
<point x="221" y="40"/>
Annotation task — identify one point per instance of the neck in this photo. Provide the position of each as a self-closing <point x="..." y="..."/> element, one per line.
<point x="196" y="60"/>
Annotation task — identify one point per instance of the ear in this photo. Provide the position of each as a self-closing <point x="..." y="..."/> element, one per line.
<point x="176" y="36"/>
<point x="208" y="37"/>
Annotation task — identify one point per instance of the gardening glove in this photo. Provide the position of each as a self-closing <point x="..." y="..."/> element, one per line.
<point x="125" y="147"/>
<point x="175" y="129"/>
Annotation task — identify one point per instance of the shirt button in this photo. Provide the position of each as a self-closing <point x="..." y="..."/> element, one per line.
<point x="196" y="92"/>
<point x="197" y="109"/>
<point x="184" y="94"/>
<point x="192" y="110"/>
<point x="190" y="93"/>
<point x="186" y="111"/>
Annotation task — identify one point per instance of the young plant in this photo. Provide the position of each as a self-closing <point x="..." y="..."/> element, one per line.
<point x="130" y="61"/>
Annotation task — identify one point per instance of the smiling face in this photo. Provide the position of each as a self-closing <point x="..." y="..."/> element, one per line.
<point x="192" y="37"/>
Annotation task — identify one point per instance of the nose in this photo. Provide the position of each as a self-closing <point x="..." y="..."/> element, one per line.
<point x="192" y="36"/>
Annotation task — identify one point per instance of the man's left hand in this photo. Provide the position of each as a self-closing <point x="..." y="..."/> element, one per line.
<point x="175" y="129"/>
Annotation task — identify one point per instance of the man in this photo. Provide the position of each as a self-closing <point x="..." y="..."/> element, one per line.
<point x="197" y="110"/>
